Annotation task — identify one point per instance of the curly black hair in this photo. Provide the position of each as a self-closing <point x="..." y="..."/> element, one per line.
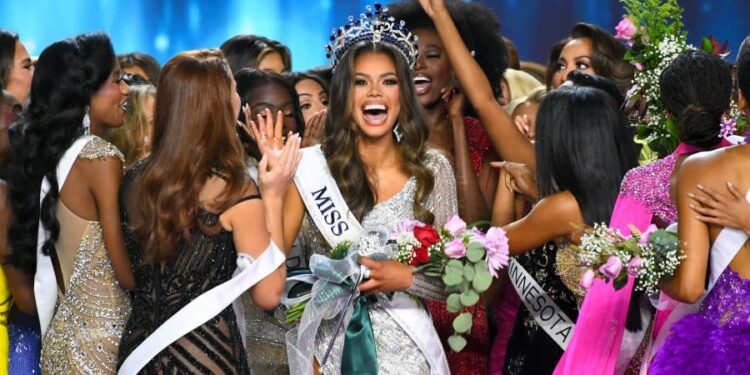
<point x="696" y="88"/>
<point x="479" y="29"/>
<point x="67" y="75"/>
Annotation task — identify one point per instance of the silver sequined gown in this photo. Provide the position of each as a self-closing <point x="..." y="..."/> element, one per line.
<point x="396" y="352"/>
<point x="90" y="316"/>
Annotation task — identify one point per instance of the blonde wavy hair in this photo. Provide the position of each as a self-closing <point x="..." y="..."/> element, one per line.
<point x="133" y="137"/>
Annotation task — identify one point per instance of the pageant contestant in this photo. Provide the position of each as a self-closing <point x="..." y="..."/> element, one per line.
<point x="696" y="89"/>
<point x="184" y="239"/>
<point x="460" y="136"/>
<point x="375" y="154"/>
<point x="76" y="94"/>
<point x="715" y="339"/>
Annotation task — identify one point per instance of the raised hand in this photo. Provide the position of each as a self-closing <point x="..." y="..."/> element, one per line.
<point x="454" y="100"/>
<point x="266" y="132"/>
<point x="522" y="180"/>
<point x="524" y="126"/>
<point x="315" y="129"/>
<point x="431" y="7"/>
<point x="727" y="211"/>
<point x="276" y="181"/>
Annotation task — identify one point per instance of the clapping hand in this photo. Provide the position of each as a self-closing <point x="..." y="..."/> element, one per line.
<point x="314" y="129"/>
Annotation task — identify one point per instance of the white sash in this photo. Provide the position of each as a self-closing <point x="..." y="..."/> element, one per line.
<point x="45" y="282"/>
<point x="336" y="223"/>
<point x="205" y="307"/>
<point x="323" y="198"/>
<point x="541" y="306"/>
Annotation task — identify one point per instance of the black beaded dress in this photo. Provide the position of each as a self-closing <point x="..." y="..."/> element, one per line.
<point x="163" y="289"/>
<point x="530" y="350"/>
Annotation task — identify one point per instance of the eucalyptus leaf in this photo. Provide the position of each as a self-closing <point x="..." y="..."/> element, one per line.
<point x="457" y="343"/>
<point x="452" y="277"/>
<point x="469" y="271"/>
<point x="482" y="281"/>
<point x="469" y="298"/>
<point x="454" y="303"/>
<point x="462" y="323"/>
<point x="475" y="252"/>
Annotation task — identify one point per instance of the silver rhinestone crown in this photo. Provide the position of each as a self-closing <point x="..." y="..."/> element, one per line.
<point x="376" y="26"/>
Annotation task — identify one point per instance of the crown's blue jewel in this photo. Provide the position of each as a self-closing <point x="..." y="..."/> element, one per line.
<point x="376" y="26"/>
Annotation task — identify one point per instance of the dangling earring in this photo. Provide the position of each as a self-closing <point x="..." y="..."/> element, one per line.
<point x="86" y="122"/>
<point x="398" y="133"/>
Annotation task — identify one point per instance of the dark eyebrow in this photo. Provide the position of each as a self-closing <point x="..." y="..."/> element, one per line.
<point x="304" y="94"/>
<point x="26" y="60"/>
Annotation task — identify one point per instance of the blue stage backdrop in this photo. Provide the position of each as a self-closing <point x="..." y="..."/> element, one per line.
<point x="165" y="27"/>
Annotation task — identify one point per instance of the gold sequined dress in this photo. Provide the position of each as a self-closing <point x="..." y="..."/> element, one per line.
<point x="90" y="316"/>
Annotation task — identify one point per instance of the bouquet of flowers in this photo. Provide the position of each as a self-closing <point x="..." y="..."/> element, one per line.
<point x="653" y="31"/>
<point x="465" y="258"/>
<point x="648" y="256"/>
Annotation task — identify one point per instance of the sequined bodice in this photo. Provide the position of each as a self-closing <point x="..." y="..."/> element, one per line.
<point x="530" y="349"/>
<point x="397" y="353"/>
<point x="728" y="303"/>
<point x="85" y="331"/>
<point x="649" y="185"/>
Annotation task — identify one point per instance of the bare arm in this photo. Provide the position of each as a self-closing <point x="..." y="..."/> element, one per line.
<point x="553" y="217"/>
<point x="509" y="143"/>
<point x="254" y="223"/>
<point x="104" y="181"/>
<point x="687" y="284"/>
<point x="471" y="203"/>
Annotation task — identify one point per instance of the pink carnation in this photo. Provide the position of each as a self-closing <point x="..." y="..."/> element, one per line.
<point x="496" y="244"/>
<point x="455" y="225"/>
<point x="455" y="249"/>
<point x="625" y="31"/>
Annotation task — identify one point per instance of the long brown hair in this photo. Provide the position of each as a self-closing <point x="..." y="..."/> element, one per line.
<point x="343" y="134"/>
<point x="194" y="134"/>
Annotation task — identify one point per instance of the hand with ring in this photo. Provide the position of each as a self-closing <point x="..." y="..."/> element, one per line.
<point x="263" y="129"/>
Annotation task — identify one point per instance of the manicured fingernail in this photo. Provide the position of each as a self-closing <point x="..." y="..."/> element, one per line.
<point x="700" y="186"/>
<point x="691" y="205"/>
<point x="691" y="195"/>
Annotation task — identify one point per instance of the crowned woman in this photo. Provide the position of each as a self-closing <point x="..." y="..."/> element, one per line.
<point x="374" y="154"/>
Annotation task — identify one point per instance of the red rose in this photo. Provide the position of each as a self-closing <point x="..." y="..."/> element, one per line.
<point x="426" y="235"/>
<point x="421" y="256"/>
